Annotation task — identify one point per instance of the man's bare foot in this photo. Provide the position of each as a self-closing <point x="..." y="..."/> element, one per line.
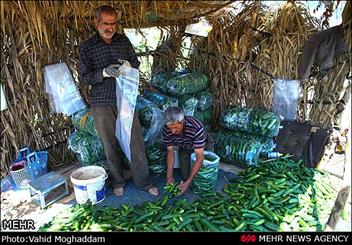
<point x="118" y="191"/>
<point x="153" y="191"/>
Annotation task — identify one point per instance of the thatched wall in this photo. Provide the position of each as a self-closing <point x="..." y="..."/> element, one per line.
<point x="35" y="34"/>
<point x="242" y="62"/>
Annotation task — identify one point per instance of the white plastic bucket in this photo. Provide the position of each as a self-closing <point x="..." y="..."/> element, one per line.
<point x="89" y="184"/>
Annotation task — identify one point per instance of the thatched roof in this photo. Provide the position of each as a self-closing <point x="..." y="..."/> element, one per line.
<point x="38" y="33"/>
<point x="131" y="13"/>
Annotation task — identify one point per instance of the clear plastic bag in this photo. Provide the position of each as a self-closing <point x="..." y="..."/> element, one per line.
<point x="156" y="155"/>
<point x="202" y="28"/>
<point x="74" y="138"/>
<point x="161" y="100"/>
<point x="3" y="100"/>
<point x="259" y="122"/>
<point x="204" y="116"/>
<point x="88" y="148"/>
<point x="187" y="84"/>
<point x="205" y="100"/>
<point x="151" y="119"/>
<point x="188" y="104"/>
<point x="62" y="92"/>
<point x="236" y="118"/>
<point x="268" y="144"/>
<point x="126" y="96"/>
<point x="206" y="178"/>
<point x="160" y="80"/>
<point x="243" y="152"/>
<point x="264" y="123"/>
<point x="83" y="120"/>
<point x="285" y="99"/>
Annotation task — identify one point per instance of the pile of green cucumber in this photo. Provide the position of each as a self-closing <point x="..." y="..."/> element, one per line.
<point x="276" y="195"/>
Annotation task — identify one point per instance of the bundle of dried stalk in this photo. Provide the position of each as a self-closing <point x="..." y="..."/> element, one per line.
<point x="224" y="55"/>
<point x="290" y="27"/>
<point x="166" y="56"/>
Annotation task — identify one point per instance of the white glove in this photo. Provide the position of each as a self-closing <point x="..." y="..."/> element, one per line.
<point x="112" y="70"/>
<point x="126" y="63"/>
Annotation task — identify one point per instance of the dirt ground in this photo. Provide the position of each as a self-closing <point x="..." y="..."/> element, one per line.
<point x="19" y="205"/>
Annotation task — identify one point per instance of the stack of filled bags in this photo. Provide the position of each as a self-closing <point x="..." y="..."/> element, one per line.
<point x="151" y="119"/>
<point x="247" y="134"/>
<point x="84" y="141"/>
<point x="191" y="89"/>
<point x="171" y="89"/>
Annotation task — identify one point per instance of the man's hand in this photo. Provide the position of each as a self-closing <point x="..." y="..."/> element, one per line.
<point x="170" y="180"/>
<point x="125" y="63"/>
<point x="112" y="70"/>
<point x="184" y="186"/>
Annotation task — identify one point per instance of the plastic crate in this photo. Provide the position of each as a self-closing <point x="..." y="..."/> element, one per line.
<point x="37" y="163"/>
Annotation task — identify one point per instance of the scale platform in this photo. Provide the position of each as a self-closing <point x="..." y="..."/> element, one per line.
<point x="48" y="188"/>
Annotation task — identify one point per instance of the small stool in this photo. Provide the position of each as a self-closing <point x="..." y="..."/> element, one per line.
<point x="48" y="188"/>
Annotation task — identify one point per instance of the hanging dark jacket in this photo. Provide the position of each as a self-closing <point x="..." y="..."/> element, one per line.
<point x="323" y="47"/>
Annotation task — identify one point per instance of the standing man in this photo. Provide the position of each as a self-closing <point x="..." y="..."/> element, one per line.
<point x="101" y="56"/>
<point x="189" y="135"/>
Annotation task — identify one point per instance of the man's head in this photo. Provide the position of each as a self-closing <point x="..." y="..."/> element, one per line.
<point x="174" y="119"/>
<point x="105" y="21"/>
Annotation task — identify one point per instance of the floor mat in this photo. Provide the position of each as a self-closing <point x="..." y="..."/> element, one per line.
<point x="134" y="196"/>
